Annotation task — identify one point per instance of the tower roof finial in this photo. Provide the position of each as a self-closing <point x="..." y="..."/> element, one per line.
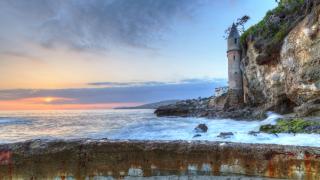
<point x="234" y="31"/>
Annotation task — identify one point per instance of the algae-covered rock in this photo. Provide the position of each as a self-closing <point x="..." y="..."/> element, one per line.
<point x="292" y="126"/>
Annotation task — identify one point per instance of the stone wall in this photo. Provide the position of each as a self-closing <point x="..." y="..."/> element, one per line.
<point x="82" y="159"/>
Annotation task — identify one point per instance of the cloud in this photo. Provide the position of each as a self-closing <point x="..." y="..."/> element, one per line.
<point x="145" y="92"/>
<point x="20" y="55"/>
<point x="157" y="83"/>
<point x="152" y="83"/>
<point x="95" y="24"/>
<point x="124" y="84"/>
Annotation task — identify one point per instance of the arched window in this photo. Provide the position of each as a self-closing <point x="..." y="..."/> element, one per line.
<point x="235" y="40"/>
<point x="234" y="58"/>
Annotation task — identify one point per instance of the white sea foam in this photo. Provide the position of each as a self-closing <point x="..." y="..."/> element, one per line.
<point x="271" y="119"/>
<point x="139" y="125"/>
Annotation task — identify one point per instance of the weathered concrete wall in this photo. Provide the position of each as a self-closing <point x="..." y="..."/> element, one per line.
<point x="87" y="158"/>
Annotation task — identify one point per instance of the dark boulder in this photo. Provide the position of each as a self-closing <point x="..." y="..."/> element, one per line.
<point x="197" y="135"/>
<point x="201" y="128"/>
<point x="254" y="133"/>
<point x="310" y="108"/>
<point x="225" y="135"/>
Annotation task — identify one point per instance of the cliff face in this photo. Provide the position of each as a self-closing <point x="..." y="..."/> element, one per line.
<point x="300" y="59"/>
<point x="289" y="80"/>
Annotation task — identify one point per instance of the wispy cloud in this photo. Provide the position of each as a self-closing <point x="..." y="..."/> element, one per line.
<point x="155" y="83"/>
<point x="95" y="24"/>
<point x="33" y="104"/>
<point x="19" y="55"/>
<point x="122" y="92"/>
<point x="126" y="84"/>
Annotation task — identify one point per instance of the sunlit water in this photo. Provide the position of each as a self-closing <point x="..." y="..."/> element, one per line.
<point x="18" y="126"/>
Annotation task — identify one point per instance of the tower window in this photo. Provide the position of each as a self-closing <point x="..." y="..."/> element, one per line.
<point x="234" y="58"/>
<point x="235" y="40"/>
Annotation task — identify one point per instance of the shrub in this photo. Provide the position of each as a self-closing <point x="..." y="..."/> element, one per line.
<point x="274" y="32"/>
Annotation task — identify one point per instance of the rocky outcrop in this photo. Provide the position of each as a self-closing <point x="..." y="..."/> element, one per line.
<point x="292" y="77"/>
<point x="106" y="159"/>
<point x="312" y="108"/>
<point x="207" y="108"/>
<point x="193" y="107"/>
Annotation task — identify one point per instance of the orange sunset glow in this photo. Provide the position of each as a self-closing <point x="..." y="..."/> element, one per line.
<point x="55" y="103"/>
<point x="48" y="99"/>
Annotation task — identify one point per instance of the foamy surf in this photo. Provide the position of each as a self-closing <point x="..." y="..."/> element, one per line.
<point x="271" y="119"/>
<point x="139" y="125"/>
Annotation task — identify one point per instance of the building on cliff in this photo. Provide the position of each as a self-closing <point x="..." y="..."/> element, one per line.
<point x="235" y="92"/>
<point x="234" y="58"/>
<point x="219" y="91"/>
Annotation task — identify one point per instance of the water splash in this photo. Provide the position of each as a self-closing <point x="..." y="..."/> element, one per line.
<point x="271" y="119"/>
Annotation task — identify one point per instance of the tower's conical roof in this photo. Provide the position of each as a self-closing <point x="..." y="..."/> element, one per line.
<point x="234" y="32"/>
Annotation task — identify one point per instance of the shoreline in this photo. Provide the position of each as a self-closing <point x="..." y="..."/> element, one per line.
<point x="211" y="107"/>
<point x="228" y="130"/>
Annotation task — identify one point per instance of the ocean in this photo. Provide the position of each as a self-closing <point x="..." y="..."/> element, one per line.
<point x="17" y="126"/>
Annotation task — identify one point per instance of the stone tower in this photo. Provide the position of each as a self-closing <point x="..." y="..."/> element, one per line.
<point x="234" y="71"/>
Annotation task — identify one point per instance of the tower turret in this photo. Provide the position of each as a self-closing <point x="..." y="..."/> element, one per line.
<point x="235" y="92"/>
<point x="234" y="58"/>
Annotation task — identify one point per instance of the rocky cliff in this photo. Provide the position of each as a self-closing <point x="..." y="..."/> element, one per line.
<point x="286" y="77"/>
<point x="280" y="67"/>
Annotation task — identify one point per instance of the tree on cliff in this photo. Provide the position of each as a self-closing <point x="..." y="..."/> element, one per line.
<point x="239" y="24"/>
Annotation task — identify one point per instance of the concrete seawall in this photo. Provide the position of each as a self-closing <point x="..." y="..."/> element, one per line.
<point x="82" y="159"/>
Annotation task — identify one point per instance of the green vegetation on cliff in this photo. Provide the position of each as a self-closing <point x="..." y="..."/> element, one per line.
<point x="292" y="126"/>
<point x="270" y="32"/>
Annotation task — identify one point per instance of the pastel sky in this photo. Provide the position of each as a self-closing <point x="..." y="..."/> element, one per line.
<point x="101" y="54"/>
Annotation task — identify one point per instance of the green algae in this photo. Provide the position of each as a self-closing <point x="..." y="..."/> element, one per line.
<point x="292" y="126"/>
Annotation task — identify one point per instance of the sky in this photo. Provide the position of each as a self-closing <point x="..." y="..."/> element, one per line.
<point x="93" y="54"/>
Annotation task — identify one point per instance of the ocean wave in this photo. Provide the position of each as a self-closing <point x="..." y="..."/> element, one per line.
<point x="5" y="121"/>
<point x="271" y="119"/>
<point x="139" y="125"/>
